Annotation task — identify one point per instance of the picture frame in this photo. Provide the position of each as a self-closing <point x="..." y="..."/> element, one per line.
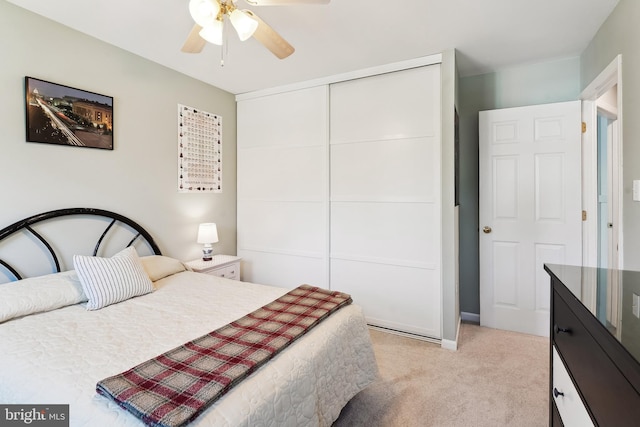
<point x="63" y="115"/>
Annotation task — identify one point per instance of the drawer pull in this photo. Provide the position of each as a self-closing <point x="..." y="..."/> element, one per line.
<point x="557" y="393"/>
<point x="557" y="329"/>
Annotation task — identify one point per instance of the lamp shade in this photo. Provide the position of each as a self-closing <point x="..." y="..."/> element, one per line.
<point x="204" y="12"/>
<point x="207" y="233"/>
<point x="244" y="24"/>
<point x="213" y="33"/>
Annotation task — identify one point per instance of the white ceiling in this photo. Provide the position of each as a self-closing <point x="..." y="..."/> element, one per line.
<point x="343" y="36"/>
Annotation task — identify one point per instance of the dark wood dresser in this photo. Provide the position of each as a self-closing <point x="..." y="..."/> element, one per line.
<point x="595" y="346"/>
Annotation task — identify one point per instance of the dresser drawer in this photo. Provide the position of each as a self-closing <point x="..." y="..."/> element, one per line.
<point x="611" y="397"/>
<point x="566" y="397"/>
<point x="230" y="272"/>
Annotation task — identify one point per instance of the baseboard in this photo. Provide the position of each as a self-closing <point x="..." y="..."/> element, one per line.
<point x="452" y="344"/>
<point x="470" y="317"/>
<point x="405" y="334"/>
<point x="449" y="345"/>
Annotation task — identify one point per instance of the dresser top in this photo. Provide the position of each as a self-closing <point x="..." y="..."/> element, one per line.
<point x="612" y="296"/>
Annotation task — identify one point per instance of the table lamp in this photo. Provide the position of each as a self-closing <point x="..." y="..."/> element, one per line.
<point x="207" y="234"/>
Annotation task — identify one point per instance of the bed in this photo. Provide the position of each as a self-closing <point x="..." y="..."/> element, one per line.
<point x="55" y="350"/>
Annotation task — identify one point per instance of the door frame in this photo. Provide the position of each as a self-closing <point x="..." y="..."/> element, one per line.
<point x="608" y="78"/>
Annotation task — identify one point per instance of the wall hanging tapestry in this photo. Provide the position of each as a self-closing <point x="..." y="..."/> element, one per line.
<point x="199" y="151"/>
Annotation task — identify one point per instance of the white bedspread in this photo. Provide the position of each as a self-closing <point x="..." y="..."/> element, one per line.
<point x="60" y="355"/>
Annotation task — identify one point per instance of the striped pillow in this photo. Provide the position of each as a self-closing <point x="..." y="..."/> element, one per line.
<point x="107" y="281"/>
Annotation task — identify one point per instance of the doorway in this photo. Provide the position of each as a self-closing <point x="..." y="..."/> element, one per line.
<point x="602" y="170"/>
<point x="608" y="183"/>
<point x="602" y="230"/>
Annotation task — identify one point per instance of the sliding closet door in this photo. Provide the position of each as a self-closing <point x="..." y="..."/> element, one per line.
<point x="283" y="188"/>
<point x="385" y="197"/>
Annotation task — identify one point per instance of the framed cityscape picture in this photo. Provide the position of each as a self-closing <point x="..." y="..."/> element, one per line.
<point x="62" y="115"/>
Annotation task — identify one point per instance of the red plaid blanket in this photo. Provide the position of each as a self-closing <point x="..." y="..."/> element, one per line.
<point x="174" y="388"/>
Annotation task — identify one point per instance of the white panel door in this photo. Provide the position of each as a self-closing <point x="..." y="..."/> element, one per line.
<point x="530" y="210"/>
<point x="385" y="198"/>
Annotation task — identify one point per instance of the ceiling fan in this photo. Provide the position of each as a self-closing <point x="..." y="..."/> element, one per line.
<point x="210" y="17"/>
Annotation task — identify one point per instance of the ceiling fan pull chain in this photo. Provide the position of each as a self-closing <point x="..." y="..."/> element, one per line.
<point x="224" y="47"/>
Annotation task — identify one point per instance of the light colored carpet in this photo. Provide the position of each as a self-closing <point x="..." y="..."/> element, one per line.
<point x="496" y="378"/>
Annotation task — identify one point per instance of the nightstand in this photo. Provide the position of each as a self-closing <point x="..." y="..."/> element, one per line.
<point x="220" y="265"/>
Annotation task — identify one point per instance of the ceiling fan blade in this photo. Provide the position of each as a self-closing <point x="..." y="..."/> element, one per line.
<point x="194" y="43"/>
<point x="284" y="2"/>
<point x="270" y="39"/>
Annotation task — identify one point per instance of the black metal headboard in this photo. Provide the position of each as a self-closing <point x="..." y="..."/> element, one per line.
<point x="26" y="224"/>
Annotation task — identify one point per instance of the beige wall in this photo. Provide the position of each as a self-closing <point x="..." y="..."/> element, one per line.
<point x="138" y="178"/>
<point x="619" y="35"/>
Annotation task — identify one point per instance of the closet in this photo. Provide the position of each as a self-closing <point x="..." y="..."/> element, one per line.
<point x="339" y="186"/>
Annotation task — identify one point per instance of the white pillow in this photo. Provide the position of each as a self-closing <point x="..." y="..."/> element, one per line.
<point x="158" y="266"/>
<point x="38" y="294"/>
<point x="107" y="281"/>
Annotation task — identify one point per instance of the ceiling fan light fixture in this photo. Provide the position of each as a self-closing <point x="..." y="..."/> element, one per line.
<point x="244" y="24"/>
<point x="211" y="14"/>
<point x="204" y="12"/>
<point x="285" y="2"/>
<point x="213" y="32"/>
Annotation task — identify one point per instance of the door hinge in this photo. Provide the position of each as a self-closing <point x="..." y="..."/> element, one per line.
<point x="584" y="127"/>
<point x="584" y="215"/>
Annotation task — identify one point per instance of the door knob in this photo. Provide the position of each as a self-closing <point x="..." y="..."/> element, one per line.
<point x="486" y="229"/>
